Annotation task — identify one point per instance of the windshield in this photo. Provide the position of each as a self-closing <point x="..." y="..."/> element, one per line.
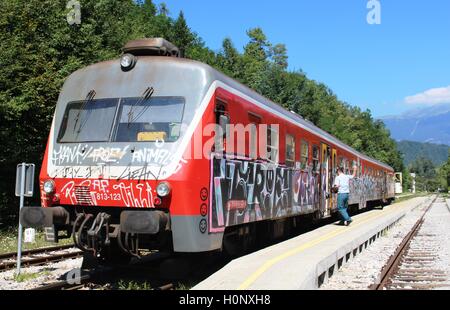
<point x="137" y="120"/>
<point x="154" y="119"/>
<point x="89" y="121"/>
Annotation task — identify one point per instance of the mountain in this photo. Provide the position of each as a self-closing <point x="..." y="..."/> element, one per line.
<point x="437" y="153"/>
<point x="430" y="124"/>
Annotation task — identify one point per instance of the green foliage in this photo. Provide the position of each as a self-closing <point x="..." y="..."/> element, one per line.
<point x="426" y="175"/>
<point x="444" y="175"/>
<point x="411" y="151"/>
<point x="8" y="241"/>
<point x="27" y="276"/>
<point x="134" y="286"/>
<point x="39" y="49"/>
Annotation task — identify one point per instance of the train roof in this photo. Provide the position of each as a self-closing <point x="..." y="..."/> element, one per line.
<point x="211" y="75"/>
<point x="217" y="75"/>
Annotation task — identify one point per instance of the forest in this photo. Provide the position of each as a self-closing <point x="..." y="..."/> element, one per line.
<point x="39" y="49"/>
<point x="412" y="150"/>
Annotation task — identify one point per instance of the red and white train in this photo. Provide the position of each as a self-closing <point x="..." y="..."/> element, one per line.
<point x="131" y="162"/>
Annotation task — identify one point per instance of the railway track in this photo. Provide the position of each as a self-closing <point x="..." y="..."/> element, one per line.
<point x="40" y="256"/>
<point x="109" y="277"/>
<point x="89" y="282"/>
<point x="413" y="264"/>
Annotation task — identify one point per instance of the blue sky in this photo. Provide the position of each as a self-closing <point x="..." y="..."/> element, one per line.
<point x="372" y="66"/>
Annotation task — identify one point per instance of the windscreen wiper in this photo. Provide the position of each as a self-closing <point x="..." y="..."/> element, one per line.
<point x="147" y="94"/>
<point x="90" y="95"/>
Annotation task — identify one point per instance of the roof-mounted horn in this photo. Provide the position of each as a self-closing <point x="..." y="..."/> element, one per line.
<point x="151" y="47"/>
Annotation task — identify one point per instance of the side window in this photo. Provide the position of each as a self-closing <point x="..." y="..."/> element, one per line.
<point x="254" y="122"/>
<point x="290" y="150"/>
<point x="220" y="110"/>
<point x="304" y="151"/>
<point x="346" y="169"/>
<point x="222" y="120"/>
<point x="352" y="165"/>
<point x="315" y="158"/>
<point x="272" y="143"/>
<point x="341" y="162"/>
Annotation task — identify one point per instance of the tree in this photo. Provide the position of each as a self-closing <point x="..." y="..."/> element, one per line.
<point x="426" y="176"/>
<point x="279" y="56"/>
<point x="163" y="10"/>
<point x="255" y="60"/>
<point x="182" y="36"/>
<point x="444" y="175"/>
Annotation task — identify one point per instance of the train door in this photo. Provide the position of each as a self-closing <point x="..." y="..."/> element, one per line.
<point x="333" y="172"/>
<point x="325" y="180"/>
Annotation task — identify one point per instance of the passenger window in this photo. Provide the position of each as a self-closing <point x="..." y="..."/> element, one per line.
<point x="315" y="158"/>
<point x="253" y="140"/>
<point x="222" y="120"/>
<point x="350" y="169"/>
<point x="304" y="151"/>
<point x="290" y="150"/>
<point x="272" y="143"/>
<point x="341" y="162"/>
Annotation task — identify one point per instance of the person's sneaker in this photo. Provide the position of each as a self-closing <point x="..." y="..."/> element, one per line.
<point x="347" y="223"/>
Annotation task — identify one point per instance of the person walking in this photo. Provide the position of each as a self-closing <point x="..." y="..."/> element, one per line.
<point x="342" y="183"/>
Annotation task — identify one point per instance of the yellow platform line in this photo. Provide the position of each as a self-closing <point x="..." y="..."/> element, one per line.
<point x="254" y="276"/>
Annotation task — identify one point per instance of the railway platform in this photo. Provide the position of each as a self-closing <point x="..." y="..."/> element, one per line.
<point x="308" y="260"/>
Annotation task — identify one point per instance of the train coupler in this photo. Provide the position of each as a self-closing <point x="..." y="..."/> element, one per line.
<point x="94" y="238"/>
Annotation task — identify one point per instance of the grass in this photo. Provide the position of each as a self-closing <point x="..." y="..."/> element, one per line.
<point x="8" y="241"/>
<point x="184" y="286"/>
<point x="145" y="286"/>
<point x="26" y="276"/>
<point x="135" y="286"/>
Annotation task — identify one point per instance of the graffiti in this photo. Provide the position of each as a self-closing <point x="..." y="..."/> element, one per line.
<point x="136" y="173"/>
<point x="305" y="195"/>
<point x="245" y="191"/>
<point x="71" y="191"/>
<point x="70" y="154"/>
<point x="65" y="155"/>
<point x="107" y="154"/>
<point x="157" y="156"/>
<point x="83" y="162"/>
<point x="96" y="192"/>
<point x="364" y="189"/>
<point x="136" y="195"/>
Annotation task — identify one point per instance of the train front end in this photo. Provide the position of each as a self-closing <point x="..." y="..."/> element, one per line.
<point x="114" y="176"/>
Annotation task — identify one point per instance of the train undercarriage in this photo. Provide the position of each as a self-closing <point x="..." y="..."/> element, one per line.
<point x="115" y="235"/>
<point x="109" y="234"/>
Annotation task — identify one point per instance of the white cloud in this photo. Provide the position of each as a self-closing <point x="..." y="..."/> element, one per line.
<point x="431" y="96"/>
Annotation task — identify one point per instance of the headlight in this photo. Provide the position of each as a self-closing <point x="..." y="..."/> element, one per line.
<point x="127" y="62"/>
<point x="163" y="189"/>
<point x="49" y="187"/>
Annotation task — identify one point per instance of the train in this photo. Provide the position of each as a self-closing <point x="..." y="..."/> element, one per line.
<point x="157" y="152"/>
